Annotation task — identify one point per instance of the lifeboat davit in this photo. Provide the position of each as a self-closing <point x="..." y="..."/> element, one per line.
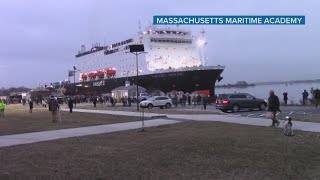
<point x="111" y="72"/>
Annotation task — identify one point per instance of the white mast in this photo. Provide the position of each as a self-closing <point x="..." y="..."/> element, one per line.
<point x="202" y="42"/>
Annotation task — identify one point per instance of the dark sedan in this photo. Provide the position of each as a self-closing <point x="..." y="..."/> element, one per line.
<point x="237" y="101"/>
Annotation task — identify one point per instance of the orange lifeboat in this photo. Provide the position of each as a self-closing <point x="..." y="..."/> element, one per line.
<point x="92" y="75"/>
<point x="84" y="76"/>
<point x="111" y="72"/>
<point x="100" y="74"/>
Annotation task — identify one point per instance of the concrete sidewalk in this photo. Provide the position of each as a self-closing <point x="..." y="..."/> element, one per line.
<point x="297" y="125"/>
<point x="121" y="113"/>
<point x="27" y="138"/>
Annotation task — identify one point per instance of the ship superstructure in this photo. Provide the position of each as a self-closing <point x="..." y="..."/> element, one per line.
<point x="166" y="49"/>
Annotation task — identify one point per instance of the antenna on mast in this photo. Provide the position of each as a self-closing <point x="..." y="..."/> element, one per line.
<point x="139" y="24"/>
<point x="202" y="32"/>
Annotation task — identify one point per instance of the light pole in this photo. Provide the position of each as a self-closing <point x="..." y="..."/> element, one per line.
<point x="137" y="75"/>
<point x="75" y="87"/>
<point x="136" y="50"/>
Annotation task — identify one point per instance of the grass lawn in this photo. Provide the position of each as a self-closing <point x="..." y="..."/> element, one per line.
<point x="171" y="110"/>
<point x="18" y="120"/>
<point x="307" y="118"/>
<point x="188" y="150"/>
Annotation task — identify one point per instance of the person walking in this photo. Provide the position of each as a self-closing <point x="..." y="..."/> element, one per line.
<point x="305" y="95"/>
<point x="2" y="107"/>
<point x="70" y="104"/>
<point x="44" y="103"/>
<point x="30" y="106"/>
<point x="274" y="107"/>
<point x="53" y="107"/>
<point x="285" y="98"/>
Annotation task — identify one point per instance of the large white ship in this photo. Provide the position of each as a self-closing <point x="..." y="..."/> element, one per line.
<point x="174" y="60"/>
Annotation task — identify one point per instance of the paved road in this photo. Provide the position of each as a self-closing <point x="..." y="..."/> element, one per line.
<point x="286" y="110"/>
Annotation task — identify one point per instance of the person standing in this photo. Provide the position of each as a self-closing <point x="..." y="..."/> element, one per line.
<point x="70" y="104"/>
<point x="129" y="101"/>
<point x="2" y="107"/>
<point x="189" y="100"/>
<point x="204" y="102"/>
<point x="194" y="100"/>
<point x="175" y="100"/>
<point x="53" y="107"/>
<point x="198" y="99"/>
<point x="305" y="95"/>
<point x="274" y="107"/>
<point x="184" y="100"/>
<point x="94" y="101"/>
<point x="112" y="101"/>
<point x="101" y="101"/>
<point x="317" y="97"/>
<point x="30" y="106"/>
<point x="285" y="98"/>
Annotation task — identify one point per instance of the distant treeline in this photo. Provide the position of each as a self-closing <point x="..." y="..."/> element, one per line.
<point x="7" y="91"/>
<point x="289" y="82"/>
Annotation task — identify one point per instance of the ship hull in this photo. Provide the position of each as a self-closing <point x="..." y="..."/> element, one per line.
<point x="186" y="81"/>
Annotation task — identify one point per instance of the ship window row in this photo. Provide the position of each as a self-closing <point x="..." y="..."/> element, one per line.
<point x="171" y="41"/>
<point x="99" y="48"/>
<point x="110" y="51"/>
<point x="106" y="52"/>
<point x="122" y="43"/>
<point x="170" y="32"/>
<point x="93" y="50"/>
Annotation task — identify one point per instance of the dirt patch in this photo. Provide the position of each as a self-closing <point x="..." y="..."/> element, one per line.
<point x="188" y="150"/>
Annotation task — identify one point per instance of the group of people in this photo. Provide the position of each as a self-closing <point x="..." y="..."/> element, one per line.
<point x="104" y="100"/>
<point x="315" y="99"/>
<point x="274" y="103"/>
<point x="191" y="100"/>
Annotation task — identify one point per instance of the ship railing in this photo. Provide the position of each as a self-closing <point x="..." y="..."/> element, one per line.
<point x="191" y="68"/>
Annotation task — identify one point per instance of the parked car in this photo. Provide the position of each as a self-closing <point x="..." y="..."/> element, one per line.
<point x="237" y="101"/>
<point x="157" y="101"/>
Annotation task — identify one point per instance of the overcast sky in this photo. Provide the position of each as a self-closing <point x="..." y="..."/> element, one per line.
<point x="38" y="39"/>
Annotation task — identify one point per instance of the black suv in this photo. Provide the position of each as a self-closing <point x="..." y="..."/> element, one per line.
<point x="237" y="101"/>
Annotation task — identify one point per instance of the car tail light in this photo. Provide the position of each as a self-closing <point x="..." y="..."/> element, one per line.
<point x="216" y="102"/>
<point x="225" y="102"/>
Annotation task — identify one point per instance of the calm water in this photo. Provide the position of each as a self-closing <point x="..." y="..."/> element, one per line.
<point x="262" y="91"/>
